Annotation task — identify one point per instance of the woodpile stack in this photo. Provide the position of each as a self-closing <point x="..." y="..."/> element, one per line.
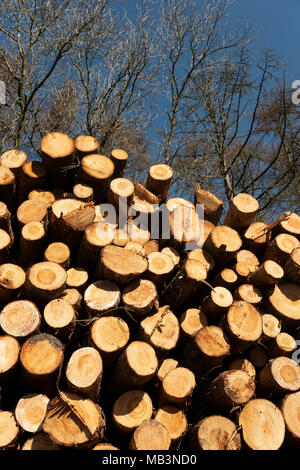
<point x="126" y="332"/>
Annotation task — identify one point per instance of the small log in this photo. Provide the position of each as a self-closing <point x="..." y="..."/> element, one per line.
<point x="216" y="304"/>
<point x="7" y="187"/>
<point x="227" y="278"/>
<point x="223" y="243"/>
<point x="255" y="238"/>
<point x="12" y="279"/>
<point x="231" y="388"/>
<point x="242" y="210"/>
<point x="191" y="321"/>
<point x="243" y="364"/>
<point x="5" y="247"/>
<point x="207" y="349"/>
<point x="120" y="265"/>
<point x="30" y="412"/>
<point x="243" y="325"/>
<point x="84" y="373"/>
<point x="159" y="180"/>
<point x="186" y="284"/>
<point x="150" y="435"/>
<point x="32" y="243"/>
<point x="100" y="297"/>
<point x="267" y="274"/>
<point x="249" y="258"/>
<point x="41" y="357"/>
<point x="283" y="301"/>
<point x="120" y="194"/>
<point x="46" y="197"/>
<point x="271" y="326"/>
<point x="160" y="268"/>
<point x="109" y="335"/>
<point x="258" y="357"/>
<point x="14" y="160"/>
<point x="5" y="220"/>
<point x="130" y="410"/>
<point x="33" y="177"/>
<point x="280" y="376"/>
<point x="243" y="272"/>
<point x="74" y="421"/>
<point x="262" y="425"/>
<point x="140" y="298"/>
<point x="283" y="345"/>
<point x="58" y="154"/>
<point x="73" y="297"/>
<point x="292" y="267"/>
<point x="204" y="257"/>
<point x="96" y="236"/>
<point x="85" y="145"/>
<point x="77" y="278"/>
<point x="9" y="355"/>
<point x="135" y="248"/>
<point x="40" y="441"/>
<point x="20" y="319"/>
<point x="174" y="421"/>
<point x="166" y="366"/>
<point x="135" y="367"/>
<point x="96" y="170"/>
<point x="9" y="431"/>
<point x="83" y="192"/>
<point x="119" y="158"/>
<point x="170" y="251"/>
<point x="32" y="211"/>
<point x="160" y="330"/>
<point x="121" y="238"/>
<point x="215" y="433"/>
<point x="59" y="253"/>
<point x="289" y="224"/>
<point x="177" y="387"/>
<point x="213" y="206"/>
<point x="290" y="412"/>
<point x="249" y="293"/>
<point x="281" y="247"/>
<point x="59" y="317"/>
<point x="44" y="281"/>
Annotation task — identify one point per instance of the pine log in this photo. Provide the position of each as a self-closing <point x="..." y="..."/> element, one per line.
<point x="174" y="421"/>
<point x="226" y="278"/>
<point x="191" y="321"/>
<point x="119" y="157"/>
<point x="86" y="145"/>
<point x="170" y="251"/>
<point x="32" y="243"/>
<point x="215" y="433"/>
<point x="160" y="268"/>
<point x="33" y="177"/>
<point x="135" y="367"/>
<point x="150" y="435"/>
<point x="292" y="267"/>
<point x="140" y="298"/>
<point x="271" y="326"/>
<point x="14" y="160"/>
<point x="166" y="366"/>
<point x="40" y="441"/>
<point x="44" y="281"/>
<point x="83" y="192"/>
<point x="249" y="293"/>
<point x="58" y="154"/>
<point x="160" y="330"/>
<point x="96" y="170"/>
<point x="243" y="364"/>
<point x="120" y="194"/>
<point x="283" y="345"/>
<point x="100" y="297"/>
<point x="59" y="253"/>
<point x="9" y="431"/>
<point x="281" y="247"/>
<point x="283" y="301"/>
<point x="267" y="274"/>
<point x="74" y="421"/>
<point x="7" y="187"/>
<point x="249" y="258"/>
<point x="5" y="247"/>
<point x="185" y="225"/>
<point x="290" y="411"/>
<point x="177" y="387"/>
<point x="73" y="297"/>
<point x="243" y="271"/>
<point x="204" y="257"/>
<point x="46" y="197"/>
<point x="9" y="355"/>
<point x="289" y="225"/>
<point x="30" y="412"/>
<point x="59" y="318"/>
<point x="207" y="349"/>
<point x="213" y="206"/>
<point x="255" y="238"/>
<point x="41" y="357"/>
<point x="242" y="210"/>
<point x="262" y="425"/>
<point x="159" y="180"/>
<point x="109" y="335"/>
<point x="20" y="319"/>
<point x="12" y="279"/>
<point x="130" y="410"/>
<point x="223" y="243"/>
<point x="120" y="265"/>
<point x="84" y="373"/>
<point x="216" y="304"/>
<point x="243" y="325"/>
<point x="231" y="388"/>
<point x="96" y="236"/>
<point x="77" y="278"/>
<point x="32" y="211"/>
<point x="280" y="376"/>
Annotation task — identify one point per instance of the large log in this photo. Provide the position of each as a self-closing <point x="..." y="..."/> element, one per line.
<point x="292" y="267"/>
<point x="175" y="421"/>
<point x="30" y="412"/>
<point x="84" y="373"/>
<point x="140" y="298"/>
<point x="40" y="441"/>
<point x="130" y="410"/>
<point x="223" y="243"/>
<point x="44" y="281"/>
<point x="85" y="145"/>
<point x="177" y="387"/>
<point x="216" y="304"/>
<point x="255" y="238"/>
<point x="100" y="297"/>
<point x="215" y="433"/>
<point x="14" y="160"/>
<point x="242" y="210"/>
<point x="32" y="211"/>
<point x="243" y="324"/>
<point x="150" y="435"/>
<point x="283" y="301"/>
<point x="159" y="180"/>
<point x="119" y="157"/>
<point x="229" y="389"/>
<point x="33" y="177"/>
<point x="96" y="170"/>
<point x="280" y="376"/>
<point x="290" y="411"/>
<point x="9" y="356"/>
<point x="59" y="253"/>
<point x="58" y="154"/>
<point x="191" y="321"/>
<point x="47" y="197"/>
<point x="20" y="319"/>
<point x="96" y="236"/>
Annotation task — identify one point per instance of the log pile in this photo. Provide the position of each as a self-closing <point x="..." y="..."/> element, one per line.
<point x="115" y="335"/>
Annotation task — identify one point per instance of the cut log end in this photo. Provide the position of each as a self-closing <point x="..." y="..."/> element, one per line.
<point x="130" y="410"/>
<point x="20" y="319"/>
<point x="31" y="411"/>
<point x="215" y="433"/>
<point x="9" y="430"/>
<point x="101" y="296"/>
<point x="150" y="435"/>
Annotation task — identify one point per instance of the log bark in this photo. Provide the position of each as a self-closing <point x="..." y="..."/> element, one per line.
<point x="96" y="171"/>
<point x="101" y="297"/>
<point x="216" y="304"/>
<point x="243" y="325"/>
<point x="58" y="154"/>
<point x="96" y="236"/>
<point x="32" y="243"/>
<point x="267" y="274"/>
<point x="242" y="210"/>
<point x="258" y="357"/>
<point x="40" y="441"/>
<point x="159" y="180"/>
<point x="215" y="433"/>
<point x="7" y="188"/>
<point x="86" y="145"/>
<point x="34" y="176"/>
<point x="9" y="431"/>
<point x="84" y="373"/>
<point x="30" y="412"/>
<point x="262" y="425"/>
<point x="213" y="206"/>
<point x="140" y="298"/>
<point x="59" y="318"/>
<point x="130" y="410"/>
<point x="12" y="279"/>
<point x="227" y="278"/>
<point x="44" y="281"/>
<point x="243" y="364"/>
<point x="174" y="421"/>
<point x="119" y="158"/>
<point x="20" y="319"/>
<point x="150" y="435"/>
<point x="280" y="376"/>
<point x="59" y="253"/>
<point x="5" y="220"/>
<point x="231" y="388"/>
